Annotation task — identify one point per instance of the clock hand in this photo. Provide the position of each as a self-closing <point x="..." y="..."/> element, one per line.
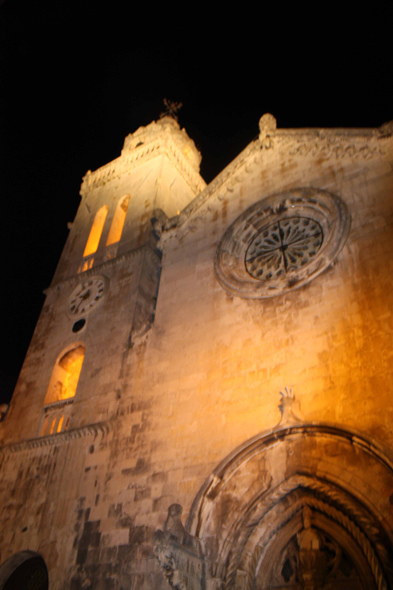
<point x="82" y="297"/>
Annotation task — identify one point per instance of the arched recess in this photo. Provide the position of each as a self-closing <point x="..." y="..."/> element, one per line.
<point x="26" y="569"/>
<point x="303" y="506"/>
<point x="96" y="231"/>
<point x="119" y="218"/>
<point x="65" y="374"/>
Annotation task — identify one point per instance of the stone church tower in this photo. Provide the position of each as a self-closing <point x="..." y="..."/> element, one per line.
<point x="206" y="400"/>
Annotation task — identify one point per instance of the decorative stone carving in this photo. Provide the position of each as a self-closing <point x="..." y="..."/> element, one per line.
<point x="286" y="406"/>
<point x="267" y="126"/>
<point x="357" y="144"/>
<point x="158" y="221"/>
<point x="312" y="561"/>
<point x="283" y="247"/>
<point x="286" y="510"/>
<point x="281" y="243"/>
<point x="146" y="299"/>
<point x="179" y="553"/>
<point x="3" y="411"/>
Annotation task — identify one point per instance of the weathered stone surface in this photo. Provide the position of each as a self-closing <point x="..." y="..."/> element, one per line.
<point x="185" y="410"/>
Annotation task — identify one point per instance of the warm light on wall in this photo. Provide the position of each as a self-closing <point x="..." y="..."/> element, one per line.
<point x="56" y="426"/>
<point x="118" y="221"/>
<point x="65" y="375"/>
<point x="52" y="427"/>
<point x="60" y="424"/>
<point x="96" y="231"/>
<point x="45" y="426"/>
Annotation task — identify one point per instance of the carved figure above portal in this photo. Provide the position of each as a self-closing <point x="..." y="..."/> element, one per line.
<point x="287" y="407"/>
<point x="281" y="243"/>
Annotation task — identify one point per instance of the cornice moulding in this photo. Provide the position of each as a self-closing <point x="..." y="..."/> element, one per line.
<point x="129" y="160"/>
<point x="60" y="438"/>
<point x="364" y="144"/>
<point x="75" y="279"/>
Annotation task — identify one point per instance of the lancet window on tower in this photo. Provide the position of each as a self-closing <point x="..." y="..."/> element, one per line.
<point x="62" y="388"/>
<point x="119" y="218"/>
<point x="94" y="238"/>
<point x="65" y="375"/>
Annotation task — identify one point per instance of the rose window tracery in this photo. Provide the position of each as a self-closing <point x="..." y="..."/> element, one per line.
<point x="281" y="243"/>
<point x="283" y="247"/>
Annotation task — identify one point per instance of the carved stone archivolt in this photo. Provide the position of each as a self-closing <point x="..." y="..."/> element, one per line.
<point x="301" y="507"/>
<point x="281" y="243"/>
<point x="298" y="507"/>
<point x="264" y="521"/>
<point x="307" y="539"/>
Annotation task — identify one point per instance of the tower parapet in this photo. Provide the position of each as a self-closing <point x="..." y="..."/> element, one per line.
<point x="159" y="137"/>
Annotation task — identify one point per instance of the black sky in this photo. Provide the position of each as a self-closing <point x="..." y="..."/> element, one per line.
<point x="75" y="79"/>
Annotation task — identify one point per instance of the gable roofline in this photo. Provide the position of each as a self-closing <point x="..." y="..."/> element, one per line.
<point x="358" y="143"/>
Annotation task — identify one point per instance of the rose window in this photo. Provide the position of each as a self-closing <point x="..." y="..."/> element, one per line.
<point x="283" y="247"/>
<point x="281" y="243"/>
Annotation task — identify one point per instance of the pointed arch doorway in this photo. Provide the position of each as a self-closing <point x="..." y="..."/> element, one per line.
<point x="305" y="507"/>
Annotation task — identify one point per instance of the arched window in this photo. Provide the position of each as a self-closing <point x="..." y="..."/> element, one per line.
<point x="96" y="231"/>
<point x="25" y="569"/>
<point x="65" y="376"/>
<point x="118" y="221"/>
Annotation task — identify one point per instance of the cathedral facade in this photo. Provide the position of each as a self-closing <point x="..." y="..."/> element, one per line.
<point x="206" y="400"/>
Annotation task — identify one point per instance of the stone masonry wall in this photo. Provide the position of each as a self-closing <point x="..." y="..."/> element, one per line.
<point x="206" y="378"/>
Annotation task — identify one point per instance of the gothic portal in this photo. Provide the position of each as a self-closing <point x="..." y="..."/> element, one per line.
<point x="206" y="400"/>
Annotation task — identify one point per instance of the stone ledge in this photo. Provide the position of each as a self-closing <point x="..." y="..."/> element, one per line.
<point x="60" y="438"/>
<point x="99" y="268"/>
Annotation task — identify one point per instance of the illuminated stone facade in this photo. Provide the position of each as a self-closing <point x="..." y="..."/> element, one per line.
<point x="147" y="442"/>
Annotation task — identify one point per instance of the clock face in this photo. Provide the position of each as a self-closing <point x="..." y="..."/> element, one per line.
<point x="87" y="296"/>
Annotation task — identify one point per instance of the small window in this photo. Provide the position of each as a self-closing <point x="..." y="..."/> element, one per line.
<point x="96" y="231"/>
<point x="78" y="325"/>
<point x="65" y="376"/>
<point x="118" y="221"/>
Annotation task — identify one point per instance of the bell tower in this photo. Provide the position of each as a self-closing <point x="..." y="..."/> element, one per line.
<point x="103" y="294"/>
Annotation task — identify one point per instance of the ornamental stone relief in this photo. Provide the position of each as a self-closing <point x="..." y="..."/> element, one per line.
<point x="281" y="243"/>
<point x="283" y="247"/>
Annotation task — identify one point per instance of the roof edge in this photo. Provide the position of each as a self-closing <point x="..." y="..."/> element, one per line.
<point x="360" y="143"/>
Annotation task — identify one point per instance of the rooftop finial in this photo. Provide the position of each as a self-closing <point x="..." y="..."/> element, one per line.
<point x="267" y="127"/>
<point x="171" y="109"/>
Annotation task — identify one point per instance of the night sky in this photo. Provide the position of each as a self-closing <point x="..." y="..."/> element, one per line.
<point x="75" y="79"/>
